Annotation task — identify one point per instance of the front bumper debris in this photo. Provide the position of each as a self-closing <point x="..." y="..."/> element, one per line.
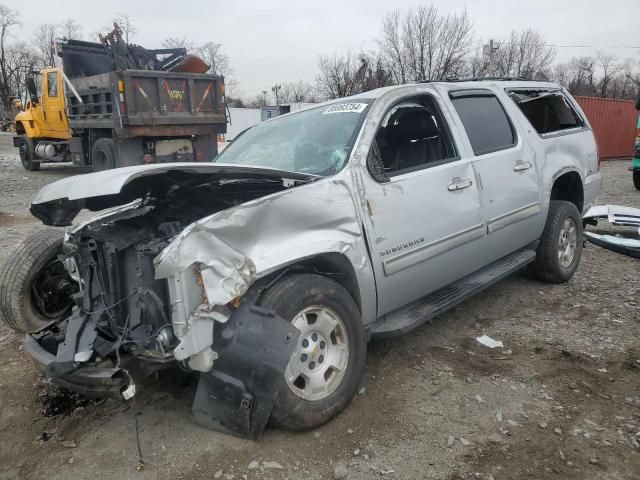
<point x="254" y="347"/>
<point x="624" y="241"/>
<point x="102" y="382"/>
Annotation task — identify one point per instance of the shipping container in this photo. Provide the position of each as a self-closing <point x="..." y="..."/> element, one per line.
<point x="614" y="125"/>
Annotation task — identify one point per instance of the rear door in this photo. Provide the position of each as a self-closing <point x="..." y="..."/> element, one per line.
<point x="506" y="171"/>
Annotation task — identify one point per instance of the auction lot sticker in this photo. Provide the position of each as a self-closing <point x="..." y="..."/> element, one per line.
<point x="346" y="108"/>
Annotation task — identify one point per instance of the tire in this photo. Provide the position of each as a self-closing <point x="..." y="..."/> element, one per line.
<point x="27" y="155"/>
<point x="102" y="155"/>
<point x="549" y="265"/>
<point x="34" y="288"/>
<point x="636" y="179"/>
<point x="305" y="292"/>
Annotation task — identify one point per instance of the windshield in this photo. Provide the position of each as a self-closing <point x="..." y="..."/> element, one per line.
<point x="316" y="141"/>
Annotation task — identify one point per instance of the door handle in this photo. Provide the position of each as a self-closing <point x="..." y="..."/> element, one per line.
<point x="459" y="184"/>
<point x="521" y="166"/>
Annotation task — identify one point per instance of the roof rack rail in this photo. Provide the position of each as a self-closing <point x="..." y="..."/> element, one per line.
<point x="477" y="79"/>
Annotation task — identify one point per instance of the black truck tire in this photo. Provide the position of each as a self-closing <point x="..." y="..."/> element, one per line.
<point x="636" y="179"/>
<point x="562" y="234"/>
<point x="102" y="155"/>
<point x="27" y="155"/>
<point x="34" y="287"/>
<point x="298" y="293"/>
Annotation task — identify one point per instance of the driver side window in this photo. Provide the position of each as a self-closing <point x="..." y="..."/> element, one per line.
<point x="412" y="136"/>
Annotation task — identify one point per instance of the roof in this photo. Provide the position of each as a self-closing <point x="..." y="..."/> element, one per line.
<point x="472" y="83"/>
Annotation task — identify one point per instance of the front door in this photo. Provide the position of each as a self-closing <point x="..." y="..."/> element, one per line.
<point x="55" y="120"/>
<point x="424" y="217"/>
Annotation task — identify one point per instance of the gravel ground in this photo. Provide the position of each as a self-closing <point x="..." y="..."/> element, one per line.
<point x="561" y="400"/>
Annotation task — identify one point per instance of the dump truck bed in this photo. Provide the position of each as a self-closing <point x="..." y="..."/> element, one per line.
<point x="149" y="102"/>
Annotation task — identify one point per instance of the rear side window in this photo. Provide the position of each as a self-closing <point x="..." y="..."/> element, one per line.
<point x="547" y="111"/>
<point x="485" y="121"/>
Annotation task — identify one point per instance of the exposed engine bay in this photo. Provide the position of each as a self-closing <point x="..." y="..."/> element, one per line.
<point x="122" y="327"/>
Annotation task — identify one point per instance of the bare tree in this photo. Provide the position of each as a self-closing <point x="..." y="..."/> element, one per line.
<point x="217" y="60"/>
<point x="338" y="75"/>
<point x="609" y="68"/>
<point x="179" y="42"/>
<point x="43" y="41"/>
<point x="8" y="19"/>
<point x="297" y="92"/>
<point x="128" y="25"/>
<point x="523" y="54"/>
<point x="70" y="29"/>
<point x="423" y="44"/>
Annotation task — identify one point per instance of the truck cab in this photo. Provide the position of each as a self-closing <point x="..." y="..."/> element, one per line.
<point x="44" y="114"/>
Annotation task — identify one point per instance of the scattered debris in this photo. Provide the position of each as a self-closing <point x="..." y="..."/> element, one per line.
<point x="272" y="466"/>
<point x="68" y="444"/>
<point x="218" y="474"/>
<point x="362" y="391"/>
<point x="558" y="431"/>
<point x="499" y="415"/>
<point x="339" y="471"/>
<point x="464" y="441"/>
<point x="254" y="465"/>
<point x="450" y="441"/>
<point x="542" y="424"/>
<point x="489" y="342"/>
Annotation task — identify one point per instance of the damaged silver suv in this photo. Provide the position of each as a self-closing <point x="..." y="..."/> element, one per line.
<point x="269" y="269"/>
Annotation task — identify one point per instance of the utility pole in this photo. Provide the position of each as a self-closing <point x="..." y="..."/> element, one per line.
<point x="488" y="51"/>
<point x="274" y="89"/>
<point x="264" y="97"/>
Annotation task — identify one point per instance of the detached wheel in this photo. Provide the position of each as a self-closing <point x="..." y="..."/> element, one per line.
<point x="27" y="155"/>
<point x="35" y="288"/>
<point x="636" y="179"/>
<point x="560" y="248"/>
<point x="325" y="370"/>
<point x="102" y="155"/>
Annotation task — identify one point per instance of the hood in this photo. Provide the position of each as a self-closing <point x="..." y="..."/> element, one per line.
<point x="58" y="203"/>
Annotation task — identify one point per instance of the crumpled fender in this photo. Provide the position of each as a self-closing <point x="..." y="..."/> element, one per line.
<point x="231" y="249"/>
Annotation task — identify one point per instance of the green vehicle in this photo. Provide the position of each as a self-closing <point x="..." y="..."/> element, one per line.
<point x="635" y="163"/>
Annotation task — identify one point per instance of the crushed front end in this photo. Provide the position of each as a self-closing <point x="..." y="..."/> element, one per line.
<point x="130" y="320"/>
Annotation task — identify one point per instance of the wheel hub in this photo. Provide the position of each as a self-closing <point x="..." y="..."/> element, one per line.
<point x="319" y="362"/>
<point x="567" y="243"/>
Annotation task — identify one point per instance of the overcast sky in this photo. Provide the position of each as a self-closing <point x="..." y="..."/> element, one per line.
<point x="279" y="41"/>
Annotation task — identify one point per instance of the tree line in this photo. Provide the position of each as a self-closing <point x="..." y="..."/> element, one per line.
<point x="419" y="44"/>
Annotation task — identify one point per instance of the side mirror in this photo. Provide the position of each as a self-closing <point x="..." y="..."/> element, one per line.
<point x="31" y="88"/>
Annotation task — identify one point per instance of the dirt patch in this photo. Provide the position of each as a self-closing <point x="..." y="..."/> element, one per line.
<point x="435" y="403"/>
<point x="9" y="219"/>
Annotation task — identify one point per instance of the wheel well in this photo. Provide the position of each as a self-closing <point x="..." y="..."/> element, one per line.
<point x="332" y="265"/>
<point x="569" y="187"/>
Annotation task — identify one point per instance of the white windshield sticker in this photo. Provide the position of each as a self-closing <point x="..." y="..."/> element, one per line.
<point x="346" y="108"/>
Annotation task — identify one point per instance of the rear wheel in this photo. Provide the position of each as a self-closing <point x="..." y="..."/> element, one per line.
<point x="325" y="369"/>
<point x="27" y="155"/>
<point x="35" y="288"/>
<point x="560" y="247"/>
<point x="102" y="155"/>
<point x="636" y="179"/>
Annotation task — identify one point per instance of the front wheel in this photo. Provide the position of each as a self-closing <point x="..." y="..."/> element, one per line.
<point x="560" y="247"/>
<point x="636" y="179"/>
<point x="35" y="288"/>
<point x="325" y="370"/>
<point x="27" y="155"/>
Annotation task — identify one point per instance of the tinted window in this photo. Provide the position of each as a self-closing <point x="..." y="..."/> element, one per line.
<point x="52" y="84"/>
<point x="412" y="136"/>
<point x="547" y="111"/>
<point x="486" y="123"/>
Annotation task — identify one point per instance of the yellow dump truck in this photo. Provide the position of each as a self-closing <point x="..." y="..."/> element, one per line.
<point x="113" y="104"/>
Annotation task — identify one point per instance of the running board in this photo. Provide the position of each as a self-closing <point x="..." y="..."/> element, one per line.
<point x="415" y="314"/>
